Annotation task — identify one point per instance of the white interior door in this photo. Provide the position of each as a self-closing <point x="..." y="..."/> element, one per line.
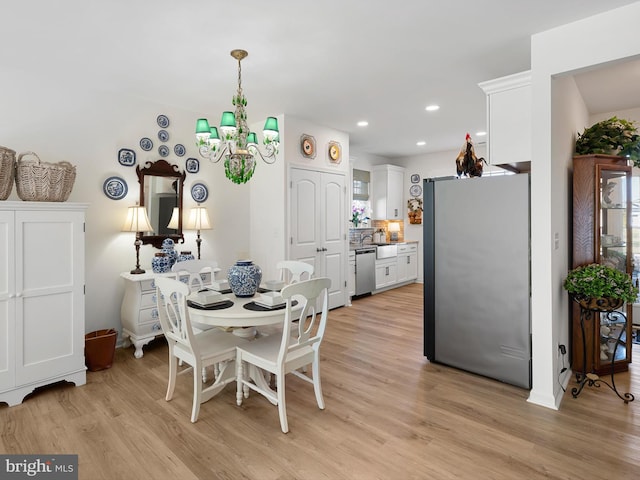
<point x="318" y="237"/>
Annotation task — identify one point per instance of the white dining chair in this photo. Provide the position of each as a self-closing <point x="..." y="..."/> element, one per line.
<point x="287" y="353"/>
<point x="292" y="271"/>
<point x="194" y="272"/>
<point x="199" y="351"/>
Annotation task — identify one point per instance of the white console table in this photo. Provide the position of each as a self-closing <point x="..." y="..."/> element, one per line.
<point x="138" y="313"/>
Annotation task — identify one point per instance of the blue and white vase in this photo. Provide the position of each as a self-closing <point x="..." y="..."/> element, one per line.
<point x="169" y="251"/>
<point x="160" y="263"/>
<point x="244" y="278"/>
<point x="185" y="256"/>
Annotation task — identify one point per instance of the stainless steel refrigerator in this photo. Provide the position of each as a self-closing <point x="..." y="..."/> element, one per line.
<point x="477" y="275"/>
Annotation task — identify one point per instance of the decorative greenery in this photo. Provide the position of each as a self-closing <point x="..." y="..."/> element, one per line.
<point x="614" y="136"/>
<point x="600" y="281"/>
<point x="357" y="215"/>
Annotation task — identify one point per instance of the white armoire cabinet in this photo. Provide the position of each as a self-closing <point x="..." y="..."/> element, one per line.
<point x="41" y="296"/>
<point x="387" y="184"/>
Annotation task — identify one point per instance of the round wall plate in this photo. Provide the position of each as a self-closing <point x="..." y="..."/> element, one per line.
<point x="146" y="144"/>
<point x="415" y="178"/>
<point x="163" y="121"/>
<point x="199" y="192"/>
<point x="308" y="146"/>
<point x="415" y="190"/>
<point x="335" y="152"/>
<point x="115" y="188"/>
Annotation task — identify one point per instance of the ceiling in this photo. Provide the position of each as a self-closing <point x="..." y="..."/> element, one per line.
<point x="334" y="62"/>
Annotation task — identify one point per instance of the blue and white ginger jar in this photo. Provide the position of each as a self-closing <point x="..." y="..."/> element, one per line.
<point x="185" y="256"/>
<point x="244" y="278"/>
<point x="169" y="251"/>
<point x="160" y="263"/>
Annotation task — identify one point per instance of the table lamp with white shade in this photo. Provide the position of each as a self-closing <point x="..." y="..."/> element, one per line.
<point x="394" y="228"/>
<point x="174" y="222"/>
<point x="198" y="220"/>
<point x="137" y="221"/>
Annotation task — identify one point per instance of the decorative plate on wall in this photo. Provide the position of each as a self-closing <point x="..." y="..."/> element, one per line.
<point x="192" y="165"/>
<point x="308" y="146"/>
<point x="415" y="190"/>
<point x="415" y="178"/>
<point x="146" y="144"/>
<point x="163" y="121"/>
<point x="199" y="192"/>
<point x="127" y="157"/>
<point x="115" y="188"/>
<point x="179" y="150"/>
<point x="163" y="150"/>
<point x="163" y="135"/>
<point x="335" y="152"/>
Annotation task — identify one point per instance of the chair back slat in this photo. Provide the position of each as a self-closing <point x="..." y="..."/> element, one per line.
<point x="309" y="330"/>
<point x="172" y="309"/>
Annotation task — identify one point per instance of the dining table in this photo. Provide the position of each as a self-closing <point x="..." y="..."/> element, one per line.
<point x="241" y="315"/>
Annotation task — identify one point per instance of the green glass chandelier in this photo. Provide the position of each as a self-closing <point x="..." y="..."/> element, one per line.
<point x="238" y="146"/>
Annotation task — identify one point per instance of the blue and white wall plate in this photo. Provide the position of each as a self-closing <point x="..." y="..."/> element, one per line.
<point x="179" y="150"/>
<point x="163" y="135"/>
<point x="163" y="121"/>
<point x="146" y="144"/>
<point x="115" y="188"/>
<point x="199" y="192"/>
<point x="192" y="165"/>
<point x="163" y="150"/>
<point x="415" y="190"/>
<point x="127" y="157"/>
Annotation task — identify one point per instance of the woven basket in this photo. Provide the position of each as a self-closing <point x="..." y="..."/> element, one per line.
<point x="43" y="182"/>
<point x="7" y="169"/>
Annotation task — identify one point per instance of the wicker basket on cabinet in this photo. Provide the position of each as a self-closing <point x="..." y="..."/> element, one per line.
<point x="43" y="182"/>
<point x="7" y="171"/>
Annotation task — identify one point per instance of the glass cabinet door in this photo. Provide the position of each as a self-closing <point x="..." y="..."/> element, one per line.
<point x="613" y="248"/>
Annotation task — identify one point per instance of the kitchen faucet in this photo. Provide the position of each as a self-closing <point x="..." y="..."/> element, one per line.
<point x="362" y="237"/>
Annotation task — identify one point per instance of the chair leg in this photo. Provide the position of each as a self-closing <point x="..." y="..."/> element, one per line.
<point x="239" y="377"/>
<point x="173" y="368"/>
<point x="197" y="392"/>
<point x="204" y="375"/>
<point x="282" y="407"/>
<point x="317" y="387"/>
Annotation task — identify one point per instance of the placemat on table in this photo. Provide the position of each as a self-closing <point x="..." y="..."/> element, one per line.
<point x="215" y="306"/>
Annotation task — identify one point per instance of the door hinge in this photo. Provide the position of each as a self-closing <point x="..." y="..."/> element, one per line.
<point x="290" y="240"/>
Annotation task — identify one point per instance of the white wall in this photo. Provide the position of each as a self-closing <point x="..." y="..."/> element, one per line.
<point x="87" y="128"/>
<point x="596" y="40"/>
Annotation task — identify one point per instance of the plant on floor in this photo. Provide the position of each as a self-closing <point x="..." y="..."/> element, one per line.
<point x="614" y="136"/>
<point x="600" y="281"/>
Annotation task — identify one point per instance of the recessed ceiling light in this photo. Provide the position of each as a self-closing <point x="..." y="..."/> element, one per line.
<point x="432" y="108"/>
<point x="421" y="143"/>
<point x="363" y="123"/>
<point x="480" y="134"/>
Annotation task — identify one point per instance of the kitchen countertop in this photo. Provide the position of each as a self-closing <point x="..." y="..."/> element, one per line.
<point x="355" y="246"/>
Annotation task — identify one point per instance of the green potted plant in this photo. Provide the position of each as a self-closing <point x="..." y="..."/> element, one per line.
<point x="614" y="136"/>
<point x="600" y="287"/>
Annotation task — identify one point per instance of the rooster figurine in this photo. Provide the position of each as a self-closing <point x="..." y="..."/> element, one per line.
<point x="467" y="163"/>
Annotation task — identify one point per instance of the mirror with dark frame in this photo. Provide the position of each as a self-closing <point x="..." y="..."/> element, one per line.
<point x="161" y="190"/>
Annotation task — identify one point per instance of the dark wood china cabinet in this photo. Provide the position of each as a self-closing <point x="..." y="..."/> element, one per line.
<point x="601" y="234"/>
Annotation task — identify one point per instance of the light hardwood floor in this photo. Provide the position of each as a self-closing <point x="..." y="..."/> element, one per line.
<point x="390" y="414"/>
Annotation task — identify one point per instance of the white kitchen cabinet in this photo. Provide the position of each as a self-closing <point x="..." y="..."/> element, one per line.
<point x="387" y="184"/>
<point x="41" y="296"/>
<point x="386" y="272"/>
<point x="407" y="262"/>
<point x="509" y="111"/>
